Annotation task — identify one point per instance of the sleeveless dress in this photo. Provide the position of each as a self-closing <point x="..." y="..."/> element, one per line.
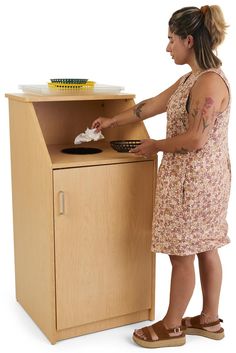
<point x="192" y="189"/>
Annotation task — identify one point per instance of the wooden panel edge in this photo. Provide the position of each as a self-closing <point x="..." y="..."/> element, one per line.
<point x="33" y="217"/>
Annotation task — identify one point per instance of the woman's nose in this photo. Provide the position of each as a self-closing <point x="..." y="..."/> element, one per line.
<point x="168" y="48"/>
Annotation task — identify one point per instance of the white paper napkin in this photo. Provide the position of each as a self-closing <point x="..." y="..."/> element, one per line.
<point x="88" y="135"/>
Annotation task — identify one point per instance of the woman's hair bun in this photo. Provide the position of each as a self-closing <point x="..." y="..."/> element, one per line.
<point x="215" y="23"/>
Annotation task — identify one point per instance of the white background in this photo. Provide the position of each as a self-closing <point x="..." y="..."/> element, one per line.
<point x="115" y="42"/>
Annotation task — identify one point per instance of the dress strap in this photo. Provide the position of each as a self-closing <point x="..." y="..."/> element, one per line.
<point x="218" y="72"/>
<point x="221" y="74"/>
<point x="184" y="78"/>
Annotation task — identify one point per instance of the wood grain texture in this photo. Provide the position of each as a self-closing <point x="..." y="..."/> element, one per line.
<point x="33" y="217"/>
<point x="90" y="268"/>
<point x="103" y="258"/>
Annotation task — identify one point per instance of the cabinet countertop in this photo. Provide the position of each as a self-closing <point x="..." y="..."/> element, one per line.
<point x="107" y="156"/>
<point x="67" y="96"/>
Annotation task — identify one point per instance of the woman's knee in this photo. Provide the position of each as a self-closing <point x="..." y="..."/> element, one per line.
<point x="182" y="260"/>
<point x="211" y="255"/>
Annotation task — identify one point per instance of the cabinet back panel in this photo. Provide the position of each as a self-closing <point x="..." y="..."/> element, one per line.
<point x="61" y="122"/>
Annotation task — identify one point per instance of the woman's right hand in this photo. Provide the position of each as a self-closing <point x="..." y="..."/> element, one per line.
<point x="102" y="123"/>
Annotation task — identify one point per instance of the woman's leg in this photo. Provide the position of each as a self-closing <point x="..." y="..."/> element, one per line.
<point x="181" y="290"/>
<point x="211" y="278"/>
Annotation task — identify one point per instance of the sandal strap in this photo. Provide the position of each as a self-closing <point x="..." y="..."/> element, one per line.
<point x="147" y="333"/>
<point x="176" y="329"/>
<point x="195" y="322"/>
<point x="212" y="323"/>
<point x="162" y="332"/>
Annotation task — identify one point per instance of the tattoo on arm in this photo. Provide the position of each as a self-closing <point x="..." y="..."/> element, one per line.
<point x="205" y="125"/>
<point x="182" y="151"/>
<point x="201" y="117"/>
<point x="203" y="114"/>
<point x="138" y="110"/>
<point x="207" y="105"/>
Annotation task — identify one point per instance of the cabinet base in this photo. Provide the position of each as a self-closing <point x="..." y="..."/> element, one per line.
<point x="103" y="325"/>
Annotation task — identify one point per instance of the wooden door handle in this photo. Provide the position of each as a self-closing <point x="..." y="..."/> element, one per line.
<point x="61" y="202"/>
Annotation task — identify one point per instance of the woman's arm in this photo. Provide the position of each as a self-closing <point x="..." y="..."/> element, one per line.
<point x="147" y="108"/>
<point x="209" y="97"/>
<point x="141" y="111"/>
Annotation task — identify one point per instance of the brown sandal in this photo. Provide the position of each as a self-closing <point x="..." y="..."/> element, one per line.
<point x="210" y="330"/>
<point x="157" y="336"/>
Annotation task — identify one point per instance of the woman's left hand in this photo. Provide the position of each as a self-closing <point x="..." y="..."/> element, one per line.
<point x="146" y="149"/>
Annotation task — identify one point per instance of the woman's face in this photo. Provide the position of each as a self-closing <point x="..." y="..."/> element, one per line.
<point x="178" y="48"/>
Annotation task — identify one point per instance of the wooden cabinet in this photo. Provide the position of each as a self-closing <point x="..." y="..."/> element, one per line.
<point x="82" y="224"/>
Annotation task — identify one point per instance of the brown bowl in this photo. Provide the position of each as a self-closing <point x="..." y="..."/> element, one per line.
<point x="124" y="145"/>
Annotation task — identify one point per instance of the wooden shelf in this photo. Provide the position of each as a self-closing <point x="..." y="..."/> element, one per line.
<point x="107" y="156"/>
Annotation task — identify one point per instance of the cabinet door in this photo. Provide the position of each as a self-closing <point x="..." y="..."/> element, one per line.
<point x="103" y="218"/>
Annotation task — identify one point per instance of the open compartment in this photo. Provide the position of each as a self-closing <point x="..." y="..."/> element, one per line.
<point x="62" y="121"/>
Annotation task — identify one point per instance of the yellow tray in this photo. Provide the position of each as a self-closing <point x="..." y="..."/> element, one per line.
<point x="56" y="85"/>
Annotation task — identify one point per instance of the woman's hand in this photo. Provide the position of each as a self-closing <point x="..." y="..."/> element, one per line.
<point x="146" y="149"/>
<point x="102" y="123"/>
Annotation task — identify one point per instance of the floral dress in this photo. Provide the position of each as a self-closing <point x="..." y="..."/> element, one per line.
<point x="192" y="189"/>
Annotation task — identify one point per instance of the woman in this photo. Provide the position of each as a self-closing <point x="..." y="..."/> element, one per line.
<point x="194" y="176"/>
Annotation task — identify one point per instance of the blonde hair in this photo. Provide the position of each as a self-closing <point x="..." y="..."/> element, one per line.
<point x="208" y="28"/>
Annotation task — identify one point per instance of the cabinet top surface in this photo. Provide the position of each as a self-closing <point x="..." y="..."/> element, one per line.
<point x="108" y="156"/>
<point x="81" y="96"/>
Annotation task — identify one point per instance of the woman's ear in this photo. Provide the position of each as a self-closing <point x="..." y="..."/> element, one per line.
<point x="190" y="41"/>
